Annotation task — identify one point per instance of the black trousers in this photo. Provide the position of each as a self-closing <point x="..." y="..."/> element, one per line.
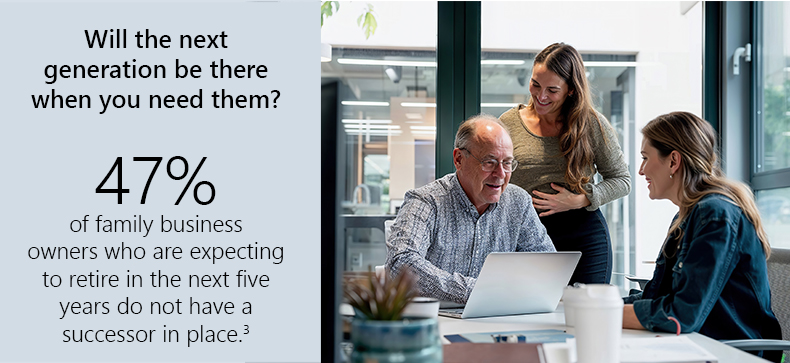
<point x="581" y="230"/>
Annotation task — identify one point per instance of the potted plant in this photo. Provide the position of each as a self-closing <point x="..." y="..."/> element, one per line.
<point x="379" y="332"/>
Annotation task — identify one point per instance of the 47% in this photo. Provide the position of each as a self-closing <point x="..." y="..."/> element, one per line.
<point x="120" y="191"/>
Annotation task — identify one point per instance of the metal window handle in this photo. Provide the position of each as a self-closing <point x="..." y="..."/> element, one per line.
<point x="746" y="53"/>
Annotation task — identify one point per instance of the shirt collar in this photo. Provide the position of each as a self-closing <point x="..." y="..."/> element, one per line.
<point x="459" y="191"/>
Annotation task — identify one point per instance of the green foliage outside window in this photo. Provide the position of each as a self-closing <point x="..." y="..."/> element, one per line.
<point x="366" y="20"/>
<point x="776" y="126"/>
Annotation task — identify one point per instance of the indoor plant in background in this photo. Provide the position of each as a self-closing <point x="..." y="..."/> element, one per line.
<point x="379" y="332"/>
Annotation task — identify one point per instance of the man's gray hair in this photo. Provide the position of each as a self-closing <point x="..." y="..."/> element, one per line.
<point x="466" y="132"/>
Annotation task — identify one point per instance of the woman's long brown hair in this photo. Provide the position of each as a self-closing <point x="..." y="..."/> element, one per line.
<point x="577" y="114"/>
<point x="700" y="171"/>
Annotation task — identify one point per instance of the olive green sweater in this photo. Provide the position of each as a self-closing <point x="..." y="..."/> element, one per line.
<point x="540" y="162"/>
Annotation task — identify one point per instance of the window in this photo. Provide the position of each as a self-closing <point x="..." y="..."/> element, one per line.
<point x="772" y="133"/>
<point x="774" y="65"/>
<point x="386" y="89"/>
<point x="774" y="206"/>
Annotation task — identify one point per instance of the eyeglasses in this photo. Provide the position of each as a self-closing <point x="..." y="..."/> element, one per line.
<point x="490" y="165"/>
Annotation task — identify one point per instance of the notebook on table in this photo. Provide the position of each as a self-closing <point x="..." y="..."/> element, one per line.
<point x="513" y="283"/>
<point x="493" y="352"/>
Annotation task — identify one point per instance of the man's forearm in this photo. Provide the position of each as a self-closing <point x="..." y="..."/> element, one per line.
<point x="433" y="281"/>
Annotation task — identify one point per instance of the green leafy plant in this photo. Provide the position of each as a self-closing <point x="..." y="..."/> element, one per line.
<point x="776" y="122"/>
<point x="326" y="9"/>
<point x="381" y="298"/>
<point x="367" y="20"/>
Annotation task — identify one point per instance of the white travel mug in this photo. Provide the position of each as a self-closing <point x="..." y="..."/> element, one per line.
<point x="570" y="297"/>
<point x="597" y="316"/>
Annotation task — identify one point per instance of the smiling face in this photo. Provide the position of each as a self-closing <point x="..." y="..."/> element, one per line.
<point x="548" y="91"/>
<point x="491" y="141"/>
<point x="656" y="170"/>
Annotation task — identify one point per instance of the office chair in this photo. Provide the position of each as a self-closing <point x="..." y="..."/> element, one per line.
<point x="779" y="279"/>
<point x="380" y="269"/>
<point x="387" y="227"/>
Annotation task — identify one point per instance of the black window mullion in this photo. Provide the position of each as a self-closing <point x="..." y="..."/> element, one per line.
<point x="712" y="44"/>
<point x="457" y="74"/>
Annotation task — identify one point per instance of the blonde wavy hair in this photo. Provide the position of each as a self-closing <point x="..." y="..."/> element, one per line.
<point x="701" y="175"/>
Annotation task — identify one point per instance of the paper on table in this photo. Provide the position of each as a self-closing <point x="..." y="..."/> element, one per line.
<point x="639" y="350"/>
<point x="530" y="336"/>
<point x="675" y="349"/>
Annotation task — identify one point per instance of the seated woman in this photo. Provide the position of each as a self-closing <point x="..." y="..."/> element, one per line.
<point x="711" y="275"/>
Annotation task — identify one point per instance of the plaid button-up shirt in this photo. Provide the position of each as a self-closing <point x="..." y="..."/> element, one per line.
<point x="440" y="235"/>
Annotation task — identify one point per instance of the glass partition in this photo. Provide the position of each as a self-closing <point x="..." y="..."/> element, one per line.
<point x="774" y="71"/>
<point x="772" y="139"/>
<point x="386" y="86"/>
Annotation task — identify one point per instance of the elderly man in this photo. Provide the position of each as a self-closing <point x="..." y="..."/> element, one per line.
<point x="445" y="230"/>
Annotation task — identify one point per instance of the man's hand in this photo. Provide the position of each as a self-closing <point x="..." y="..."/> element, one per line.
<point x="563" y="201"/>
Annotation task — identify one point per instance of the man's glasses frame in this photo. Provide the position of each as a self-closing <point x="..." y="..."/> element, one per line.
<point x="490" y="165"/>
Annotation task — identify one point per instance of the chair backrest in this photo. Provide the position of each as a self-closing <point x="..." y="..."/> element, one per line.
<point x="779" y="278"/>
<point x="387" y="227"/>
<point x="380" y="270"/>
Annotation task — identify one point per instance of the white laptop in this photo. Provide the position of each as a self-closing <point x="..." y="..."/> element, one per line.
<point x="512" y="283"/>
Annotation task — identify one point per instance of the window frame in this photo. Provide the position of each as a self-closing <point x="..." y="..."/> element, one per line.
<point x="761" y="180"/>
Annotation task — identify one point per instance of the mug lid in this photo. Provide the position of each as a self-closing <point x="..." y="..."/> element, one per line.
<point x="593" y="295"/>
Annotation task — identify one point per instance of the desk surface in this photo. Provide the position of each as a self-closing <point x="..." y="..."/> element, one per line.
<point x="556" y="320"/>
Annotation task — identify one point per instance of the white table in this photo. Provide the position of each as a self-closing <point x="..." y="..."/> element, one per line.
<point x="556" y="320"/>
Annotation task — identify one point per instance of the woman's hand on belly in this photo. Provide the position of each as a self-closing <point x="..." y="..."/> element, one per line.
<point x="563" y="201"/>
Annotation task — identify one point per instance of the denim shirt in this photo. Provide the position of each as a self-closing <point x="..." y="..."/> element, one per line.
<point x="719" y="284"/>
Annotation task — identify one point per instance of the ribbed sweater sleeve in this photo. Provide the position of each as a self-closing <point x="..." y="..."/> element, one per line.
<point x="611" y="165"/>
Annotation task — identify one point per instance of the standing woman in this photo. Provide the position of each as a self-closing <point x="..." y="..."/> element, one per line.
<point x="561" y="142"/>
<point x="711" y="276"/>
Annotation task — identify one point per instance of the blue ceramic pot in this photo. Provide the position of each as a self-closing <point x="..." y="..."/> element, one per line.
<point x="408" y="340"/>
